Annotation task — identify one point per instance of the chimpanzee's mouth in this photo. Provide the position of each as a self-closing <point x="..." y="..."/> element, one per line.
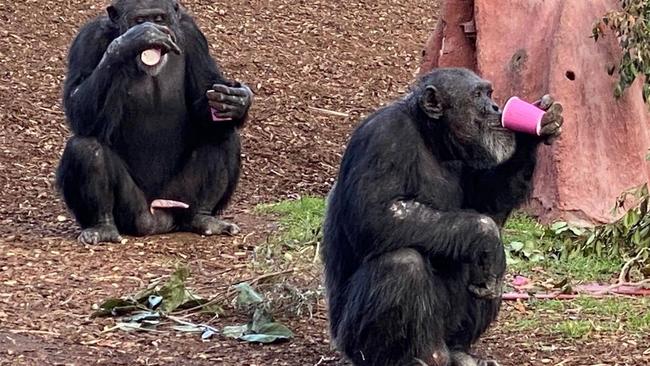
<point x="496" y="126"/>
<point x="153" y="70"/>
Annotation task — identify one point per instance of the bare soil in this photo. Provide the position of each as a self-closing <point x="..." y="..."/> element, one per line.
<point x="300" y="57"/>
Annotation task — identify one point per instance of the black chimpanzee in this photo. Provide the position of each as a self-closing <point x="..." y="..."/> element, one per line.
<point x="413" y="258"/>
<point x="156" y="145"/>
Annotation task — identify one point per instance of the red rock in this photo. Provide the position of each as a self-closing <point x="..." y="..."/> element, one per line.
<point x="532" y="47"/>
<point x="458" y="48"/>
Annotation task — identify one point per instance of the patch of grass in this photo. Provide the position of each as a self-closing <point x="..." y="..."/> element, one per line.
<point x="300" y="220"/>
<point x="537" y="252"/>
<point x="525" y="324"/>
<point x="587" y="315"/>
<point x="574" y="329"/>
<point x="300" y="223"/>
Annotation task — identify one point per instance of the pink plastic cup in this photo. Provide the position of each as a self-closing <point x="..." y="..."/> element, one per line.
<point x="522" y="116"/>
<point x="215" y="117"/>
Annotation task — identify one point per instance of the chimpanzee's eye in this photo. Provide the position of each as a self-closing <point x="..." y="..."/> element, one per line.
<point x="159" y="19"/>
<point x="489" y="93"/>
<point x="139" y="20"/>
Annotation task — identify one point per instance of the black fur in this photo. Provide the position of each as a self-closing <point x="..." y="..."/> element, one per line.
<point x="138" y="137"/>
<point x="412" y="224"/>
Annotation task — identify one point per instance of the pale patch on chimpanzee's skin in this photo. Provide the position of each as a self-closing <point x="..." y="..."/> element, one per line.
<point x="413" y="209"/>
<point x="488" y="226"/>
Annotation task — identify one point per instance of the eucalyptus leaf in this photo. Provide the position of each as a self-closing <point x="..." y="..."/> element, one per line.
<point x="154" y="300"/>
<point x="558" y="225"/>
<point x="128" y="326"/>
<point x="268" y="333"/>
<point x="188" y="328"/>
<point x="234" y="331"/>
<point x="144" y="315"/>
<point x="247" y="295"/>
<point x="516" y="246"/>
<point x="207" y="334"/>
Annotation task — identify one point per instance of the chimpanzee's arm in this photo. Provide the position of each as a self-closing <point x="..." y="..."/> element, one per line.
<point x="203" y="75"/>
<point x="499" y="190"/>
<point x="88" y="87"/>
<point x="376" y="201"/>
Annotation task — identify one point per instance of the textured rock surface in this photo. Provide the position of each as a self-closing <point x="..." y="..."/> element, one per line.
<point x="532" y="47"/>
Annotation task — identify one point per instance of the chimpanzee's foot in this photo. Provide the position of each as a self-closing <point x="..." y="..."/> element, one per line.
<point x="104" y="233"/>
<point x="210" y="225"/>
<point x="463" y="359"/>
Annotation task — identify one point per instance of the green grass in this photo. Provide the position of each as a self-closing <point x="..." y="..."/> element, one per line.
<point x="539" y="248"/>
<point x="579" y="318"/>
<point x="300" y="220"/>
<point x="300" y="223"/>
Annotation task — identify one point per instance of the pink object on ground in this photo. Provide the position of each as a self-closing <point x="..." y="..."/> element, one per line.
<point x="520" y="281"/>
<point x="521" y="116"/>
<point x="163" y="204"/>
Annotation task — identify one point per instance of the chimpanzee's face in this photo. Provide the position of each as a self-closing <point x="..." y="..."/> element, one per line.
<point x="464" y="103"/>
<point x="128" y="13"/>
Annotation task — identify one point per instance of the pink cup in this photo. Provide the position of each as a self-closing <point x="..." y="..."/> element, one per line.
<point x="522" y="116"/>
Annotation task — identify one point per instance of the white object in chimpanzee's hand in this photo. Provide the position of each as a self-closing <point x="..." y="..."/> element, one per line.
<point x="150" y="57"/>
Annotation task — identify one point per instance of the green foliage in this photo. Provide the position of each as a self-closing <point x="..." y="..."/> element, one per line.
<point x="623" y="238"/>
<point x="300" y="220"/>
<point x="529" y="245"/>
<point x="589" y="315"/>
<point x="160" y="296"/>
<point x="525" y="240"/>
<point x="300" y="230"/>
<point x="632" y="29"/>
<point x="262" y="328"/>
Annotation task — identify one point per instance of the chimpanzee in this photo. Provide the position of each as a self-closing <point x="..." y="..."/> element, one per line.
<point x="155" y="145"/>
<point x="413" y="258"/>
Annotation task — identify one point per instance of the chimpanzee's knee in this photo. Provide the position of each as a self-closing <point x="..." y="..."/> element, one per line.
<point x="82" y="155"/>
<point x="409" y="262"/>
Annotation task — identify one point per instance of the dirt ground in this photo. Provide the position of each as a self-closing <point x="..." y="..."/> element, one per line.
<point x="300" y="57"/>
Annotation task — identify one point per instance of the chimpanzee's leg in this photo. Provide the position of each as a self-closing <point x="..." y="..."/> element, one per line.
<point x="470" y="319"/>
<point x="103" y="197"/>
<point x="395" y="313"/>
<point x="206" y="183"/>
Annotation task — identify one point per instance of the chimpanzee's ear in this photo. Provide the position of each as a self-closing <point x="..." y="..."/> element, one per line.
<point x="113" y="14"/>
<point x="430" y="102"/>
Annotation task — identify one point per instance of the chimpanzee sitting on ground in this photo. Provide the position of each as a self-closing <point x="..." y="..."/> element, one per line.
<point x="155" y="146"/>
<point x="413" y="257"/>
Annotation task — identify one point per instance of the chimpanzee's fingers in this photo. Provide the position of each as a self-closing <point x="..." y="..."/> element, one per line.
<point x="225" y="115"/>
<point x="553" y="115"/>
<point x="545" y="102"/>
<point x="223" y="107"/>
<point x="173" y="46"/>
<point x="226" y="99"/>
<point x="551" y="128"/>
<point x="242" y="91"/>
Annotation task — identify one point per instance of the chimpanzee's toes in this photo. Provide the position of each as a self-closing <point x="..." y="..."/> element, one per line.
<point x="100" y="234"/>
<point x="210" y="225"/>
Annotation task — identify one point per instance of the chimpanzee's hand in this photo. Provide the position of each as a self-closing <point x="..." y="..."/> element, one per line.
<point x="486" y="275"/>
<point x="230" y="102"/>
<point x="552" y="121"/>
<point x="139" y="38"/>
